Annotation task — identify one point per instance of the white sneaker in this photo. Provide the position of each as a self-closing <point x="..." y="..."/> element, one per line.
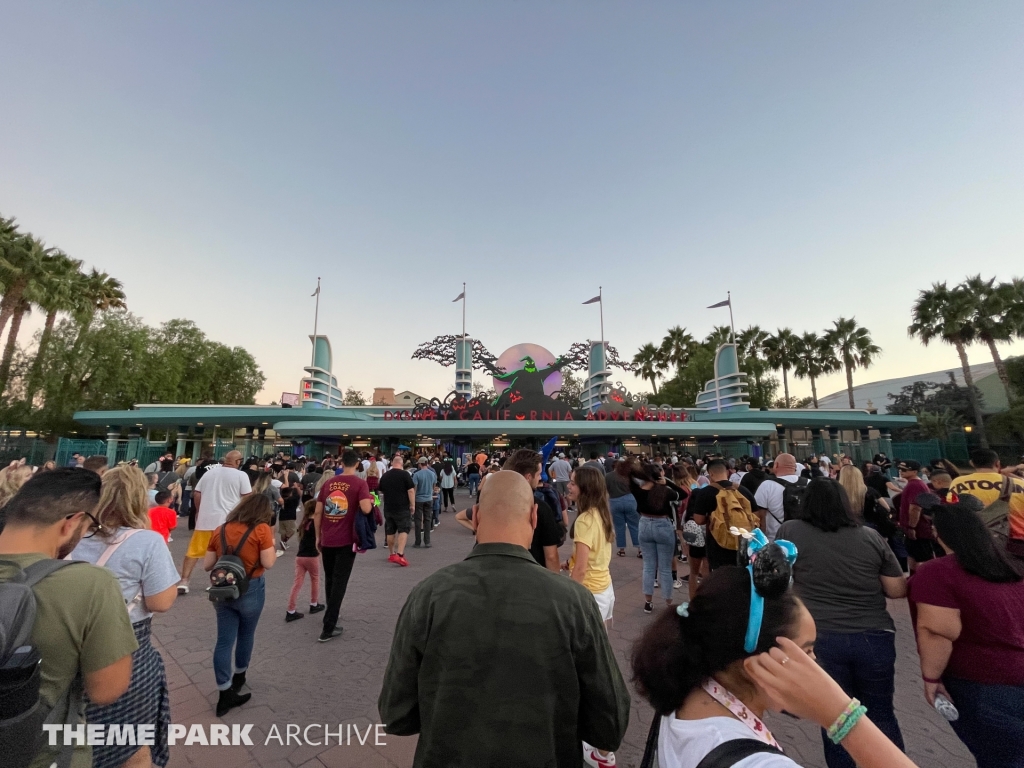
<point x="677" y="584"/>
<point x="592" y="758"/>
<point x="655" y="583"/>
<point x="170" y="539"/>
<point x="183" y="589"/>
<point x="280" y="552"/>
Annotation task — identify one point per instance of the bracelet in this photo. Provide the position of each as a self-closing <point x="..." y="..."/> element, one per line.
<point x="930" y="681"/>
<point x="848" y="718"/>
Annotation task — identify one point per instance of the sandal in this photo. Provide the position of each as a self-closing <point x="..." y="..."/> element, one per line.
<point x="622" y="553"/>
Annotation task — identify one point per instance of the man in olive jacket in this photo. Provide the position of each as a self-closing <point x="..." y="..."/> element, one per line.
<point x="498" y="661"/>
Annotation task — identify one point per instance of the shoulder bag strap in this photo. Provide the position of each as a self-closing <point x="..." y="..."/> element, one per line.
<point x="40" y="569"/>
<point x="112" y="547"/>
<point x="729" y="753"/>
<point x="650" y="758"/>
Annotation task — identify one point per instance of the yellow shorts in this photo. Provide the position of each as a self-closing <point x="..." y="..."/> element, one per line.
<point x="198" y="545"/>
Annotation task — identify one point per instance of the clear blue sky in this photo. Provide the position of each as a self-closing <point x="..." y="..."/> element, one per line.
<point x="817" y="159"/>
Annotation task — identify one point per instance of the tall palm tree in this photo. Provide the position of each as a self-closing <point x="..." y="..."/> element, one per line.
<point x="98" y="292"/>
<point x="853" y="347"/>
<point x="22" y="309"/>
<point x="59" y="287"/>
<point x="650" y="364"/>
<point x="945" y="314"/>
<point x="21" y="258"/>
<point x="990" y="316"/>
<point x="751" y="341"/>
<point x="814" y="358"/>
<point x="676" y="347"/>
<point x="781" y="354"/>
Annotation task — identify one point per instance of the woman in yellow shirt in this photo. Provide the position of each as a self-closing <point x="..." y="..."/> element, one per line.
<point x="592" y="534"/>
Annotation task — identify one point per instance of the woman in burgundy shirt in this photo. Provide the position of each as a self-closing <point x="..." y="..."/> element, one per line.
<point x="969" y="618"/>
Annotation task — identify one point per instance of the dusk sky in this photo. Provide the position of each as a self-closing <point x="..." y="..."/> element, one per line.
<point x="816" y="159"/>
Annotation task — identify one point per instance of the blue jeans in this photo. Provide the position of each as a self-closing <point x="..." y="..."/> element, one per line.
<point x="236" y="629"/>
<point x="437" y="510"/>
<point x="658" y="543"/>
<point x="864" y="665"/>
<point x="624" y="514"/>
<point x="472" y="481"/>
<point x="991" y="722"/>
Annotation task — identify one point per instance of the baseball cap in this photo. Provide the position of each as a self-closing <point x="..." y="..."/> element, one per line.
<point x="561" y="455"/>
<point x="423" y="460"/>
<point x="908" y="465"/>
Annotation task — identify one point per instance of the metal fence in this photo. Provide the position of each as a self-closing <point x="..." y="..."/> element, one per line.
<point x="33" y="450"/>
<point x="66" y="447"/>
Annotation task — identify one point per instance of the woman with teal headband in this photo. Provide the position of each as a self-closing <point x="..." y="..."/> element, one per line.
<point x="712" y="667"/>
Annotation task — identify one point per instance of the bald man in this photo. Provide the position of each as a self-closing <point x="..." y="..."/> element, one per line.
<point x="216" y="494"/>
<point x="498" y="661"/>
<point x="770" y="494"/>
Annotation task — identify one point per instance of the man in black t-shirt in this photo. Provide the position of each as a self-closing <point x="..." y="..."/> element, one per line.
<point x="704" y="501"/>
<point x="548" y="533"/>
<point x="399" y="492"/>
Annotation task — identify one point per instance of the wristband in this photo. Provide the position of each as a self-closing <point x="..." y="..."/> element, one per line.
<point x="848" y="718"/>
<point x="930" y="681"/>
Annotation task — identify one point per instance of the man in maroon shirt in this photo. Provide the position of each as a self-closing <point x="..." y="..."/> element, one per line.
<point x="921" y="544"/>
<point x="340" y="499"/>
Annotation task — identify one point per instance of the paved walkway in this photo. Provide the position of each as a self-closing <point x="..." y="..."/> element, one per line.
<point x="296" y="680"/>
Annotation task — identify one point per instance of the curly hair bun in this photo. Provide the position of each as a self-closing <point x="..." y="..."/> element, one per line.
<point x="771" y="571"/>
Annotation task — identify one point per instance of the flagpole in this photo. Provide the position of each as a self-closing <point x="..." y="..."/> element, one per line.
<point x="316" y="320"/>
<point x="732" y="325"/>
<point x="463" y="311"/>
<point x="601" y="305"/>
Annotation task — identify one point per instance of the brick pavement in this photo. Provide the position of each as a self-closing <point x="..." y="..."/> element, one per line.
<point x="295" y="679"/>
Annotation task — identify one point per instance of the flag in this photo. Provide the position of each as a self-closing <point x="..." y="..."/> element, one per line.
<point x="317" y="291"/>
<point x="593" y="300"/>
<point x="460" y="296"/>
<point x="726" y="303"/>
<point x="545" y="453"/>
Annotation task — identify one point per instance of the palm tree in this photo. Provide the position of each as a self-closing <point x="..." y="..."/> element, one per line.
<point x="814" y="358"/>
<point x="990" y="307"/>
<point x="22" y="309"/>
<point x="853" y="347"/>
<point x="942" y="313"/>
<point x="676" y="347"/>
<point x="650" y="364"/>
<point x="59" y="287"/>
<point x="98" y="292"/>
<point x="720" y="334"/>
<point x="21" y="258"/>
<point x="751" y="341"/>
<point x="781" y="354"/>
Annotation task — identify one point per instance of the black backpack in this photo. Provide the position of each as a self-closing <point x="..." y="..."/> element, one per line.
<point x="22" y="714"/>
<point x="792" y="498"/>
<point x="229" y="579"/>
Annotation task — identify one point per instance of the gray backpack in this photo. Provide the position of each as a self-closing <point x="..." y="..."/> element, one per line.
<point x="22" y="713"/>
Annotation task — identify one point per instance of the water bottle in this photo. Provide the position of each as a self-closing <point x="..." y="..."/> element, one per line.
<point x="945" y="708"/>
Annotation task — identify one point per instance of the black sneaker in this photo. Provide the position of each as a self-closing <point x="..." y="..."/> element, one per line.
<point x="329" y="635"/>
<point x="648" y="607"/>
<point x="417" y="545"/>
<point x="427" y="545"/>
<point x="293" y="616"/>
<point x="317" y="608"/>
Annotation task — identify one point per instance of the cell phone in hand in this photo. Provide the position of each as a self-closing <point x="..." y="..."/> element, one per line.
<point x="945" y="708"/>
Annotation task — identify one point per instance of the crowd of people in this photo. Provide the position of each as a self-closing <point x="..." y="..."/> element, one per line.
<point x="762" y="568"/>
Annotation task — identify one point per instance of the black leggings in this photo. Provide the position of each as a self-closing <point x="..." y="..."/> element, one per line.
<point x="447" y="495"/>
